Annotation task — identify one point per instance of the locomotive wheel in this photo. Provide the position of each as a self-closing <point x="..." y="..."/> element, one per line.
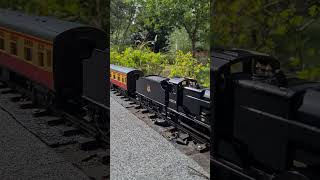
<point x="291" y="175"/>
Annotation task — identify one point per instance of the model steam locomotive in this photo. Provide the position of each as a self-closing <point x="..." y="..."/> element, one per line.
<point x="57" y="63"/>
<point x="178" y="100"/>
<point x="265" y="126"/>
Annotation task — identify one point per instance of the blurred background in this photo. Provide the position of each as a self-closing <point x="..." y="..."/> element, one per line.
<point x="286" y="29"/>
<point x="93" y="12"/>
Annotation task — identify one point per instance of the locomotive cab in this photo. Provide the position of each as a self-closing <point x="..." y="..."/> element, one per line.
<point x="175" y="94"/>
<point x="263" y="127"/>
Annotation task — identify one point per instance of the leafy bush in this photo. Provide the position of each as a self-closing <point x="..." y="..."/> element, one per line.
<point x="143" y="59"/>
<point x="179" y="64"/>
<point x="187" y="66"/>
<point x="312" y="74"/>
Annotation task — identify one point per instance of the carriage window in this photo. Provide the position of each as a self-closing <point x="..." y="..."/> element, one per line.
<point x="49" y="58"/>
<point x="13" y="48"/>
<point x="41" y="58"/>
<point x="27" y="54"/>
<point x="118" y="77"/>
<point x="122" y="79"/>
<point x="28" y="45"/>
<point x="125" y="80"/>
<point x="1" y="43"/>
<point x="114" y="76"/>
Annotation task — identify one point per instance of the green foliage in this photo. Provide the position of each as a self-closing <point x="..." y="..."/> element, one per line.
<point x="95" y="13"/>
<point x="285" y="29"/>
<point x="123" y="15"/>
<point x="144" y="59"/>
<point x="179" y="40"/>
<point x="310" y="73"/>
<point x="187" y="66"/>
<point x="161" y="25"/>
<point x="138" y="21"/>
<point x="180" y="64"/>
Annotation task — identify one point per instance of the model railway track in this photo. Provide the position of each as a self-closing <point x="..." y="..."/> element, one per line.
<point x="194" y="134"/>
<point x="88" y="127"/>
<point x="182" y="141"/>
<point x="202" y="139"/>
<point x="76" y="142"/>
<point x="198" y="136"/>
<point x="81" y="123"/>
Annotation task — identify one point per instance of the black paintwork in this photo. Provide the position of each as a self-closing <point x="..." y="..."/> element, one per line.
<point x="95" y="71"/>
<point x="185" y="106"/>
<point x="176" y="93"/>
<point x="155" y="88"/>
<point x="260" y="126"/>
<point x="196" y="101"/>
<point x="69" y="51"/>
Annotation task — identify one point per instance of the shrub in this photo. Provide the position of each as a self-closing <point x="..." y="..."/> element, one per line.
<point x="180" y="64"/>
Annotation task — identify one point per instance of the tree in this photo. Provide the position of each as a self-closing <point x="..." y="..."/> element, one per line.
<point x="192" y="15"/>
<point x="123" y="15"/>
<point x="274" y="27"/>
<point x="153" y="21"/>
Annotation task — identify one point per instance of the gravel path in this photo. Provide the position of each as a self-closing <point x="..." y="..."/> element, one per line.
<point x="139" y="152"/>
<point x="25" y="157"/>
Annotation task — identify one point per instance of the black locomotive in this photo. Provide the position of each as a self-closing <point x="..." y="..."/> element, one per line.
<point x="178" y="100"/>
<point x="265" y="126"/>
